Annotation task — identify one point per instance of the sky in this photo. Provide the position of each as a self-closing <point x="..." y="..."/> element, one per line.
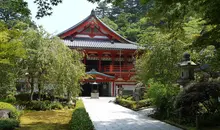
<point x="64" y="16"/>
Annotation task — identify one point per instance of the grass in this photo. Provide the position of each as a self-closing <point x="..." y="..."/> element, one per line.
<point x="45" y="120"/>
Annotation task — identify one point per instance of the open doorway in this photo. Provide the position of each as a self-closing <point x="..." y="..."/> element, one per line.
<point x="102" y="88"/>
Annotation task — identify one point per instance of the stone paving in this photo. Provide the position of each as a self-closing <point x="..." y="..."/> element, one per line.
<point x="106" y="115"/>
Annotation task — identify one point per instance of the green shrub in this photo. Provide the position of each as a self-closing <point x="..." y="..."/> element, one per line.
<point x="70" y="106"/>
<point x="80" y="118"/>
<point x="130" y="98"/>
<point x="23" y="97"/>
<point x="125" y="96"/>
<point x="26" y="97"/>
<point x="8" y="124"/>
<point x="133" y="104"/>
<point x="125" y="103"/>
<point x="208" y="120"/>
<point x="144" y="103"/>
<point x="10" y="99"/>
<point x="56" y="105"/>
<point x="163" y="96"/>
<point x="14" y="112"/>
<point x="200" y="99"/>
<point x="40" y="105"/>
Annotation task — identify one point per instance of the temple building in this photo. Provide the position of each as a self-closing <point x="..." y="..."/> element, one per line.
<point x="108" y="56"/>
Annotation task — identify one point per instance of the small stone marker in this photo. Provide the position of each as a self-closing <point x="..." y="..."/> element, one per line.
<point x="4" y="113"/>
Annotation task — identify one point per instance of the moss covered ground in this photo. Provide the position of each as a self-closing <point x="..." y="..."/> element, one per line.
<point x="45" y="120"/>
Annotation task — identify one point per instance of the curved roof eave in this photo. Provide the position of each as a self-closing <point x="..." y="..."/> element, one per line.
<point x="94" y="72"/>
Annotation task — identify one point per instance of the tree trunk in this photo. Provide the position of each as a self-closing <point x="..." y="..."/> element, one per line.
<point x="32" y="89"/>
<point x="69" y="97"/>
<point x="39" y="91"/>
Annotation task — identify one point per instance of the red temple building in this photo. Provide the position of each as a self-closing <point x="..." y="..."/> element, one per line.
<point x="108" y="56"/>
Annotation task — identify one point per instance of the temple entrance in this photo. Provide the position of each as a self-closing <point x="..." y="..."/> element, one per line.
<point x="86" y="90"/>
<point x="102" y="88"/>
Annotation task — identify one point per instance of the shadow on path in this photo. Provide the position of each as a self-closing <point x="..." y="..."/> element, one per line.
<point x="110" y="116"/>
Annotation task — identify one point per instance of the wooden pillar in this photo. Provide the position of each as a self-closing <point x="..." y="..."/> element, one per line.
<point x="85" y="58"/>
<point x="125" y="59"/>
<point x="100" y="61"/>
<point x="113" y="88"/>
<point x="113" y="62"/>
<point x="113" y="58"/>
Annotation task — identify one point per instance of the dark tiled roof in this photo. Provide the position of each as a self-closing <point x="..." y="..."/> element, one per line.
<point x="99" y="44"/>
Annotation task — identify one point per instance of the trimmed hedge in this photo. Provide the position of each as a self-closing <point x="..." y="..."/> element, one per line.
<point x="133" y="104"/>
<point x="8" y="124"/>
<point x="80" y="118"/>
<point x="14" y="112"/>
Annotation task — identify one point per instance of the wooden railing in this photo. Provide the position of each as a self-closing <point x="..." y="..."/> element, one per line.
<point x="118" y="68"/>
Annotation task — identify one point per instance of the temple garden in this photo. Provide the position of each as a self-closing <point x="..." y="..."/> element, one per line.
<point x="155" y="55"/>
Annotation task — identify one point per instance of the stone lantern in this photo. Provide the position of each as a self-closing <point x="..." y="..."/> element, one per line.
<point x="187" y="70"/>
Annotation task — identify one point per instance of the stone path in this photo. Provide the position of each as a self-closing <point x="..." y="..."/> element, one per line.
<point x="109" y="116"/>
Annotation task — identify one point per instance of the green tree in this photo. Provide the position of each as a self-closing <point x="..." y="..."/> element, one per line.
<point x="102" y="10"/>
<point x="51" y="64"/>
<point x="160" y="59"/>
<point x="110" y="23"/>
<point x="14" y="11"/>
<point x="11" y="53"/>
<point x="176" y="13"/>
<point x="33" y="64"/>
<point x="66" y="69"/>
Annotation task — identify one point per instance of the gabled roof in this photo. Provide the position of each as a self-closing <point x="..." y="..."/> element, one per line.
<point x="93" y="21"/>
<point x="100" y="44"/>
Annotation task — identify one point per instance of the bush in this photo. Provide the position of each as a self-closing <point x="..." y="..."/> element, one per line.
<point x="56" y="105"/>
<point x="23" y="97"/>
<point x="207" y="120"/>
<point x="163" y="96"/>
<point x="80" y="118"/>
<point x="14" y="112"/>
<point x="126" y="103"/>
<point x="144" y="103"/>
<point x="70" y="106"/>
<point x="26" y="97"/>
<point x="8" y="124"/>
<point x="130" y="98"/>
<point x="200" y="99"/>
<point x="126" y="96"/>
<point x="133" y="104"/>
<point x="40" y="105"/>
<point x="10" y="99"/>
